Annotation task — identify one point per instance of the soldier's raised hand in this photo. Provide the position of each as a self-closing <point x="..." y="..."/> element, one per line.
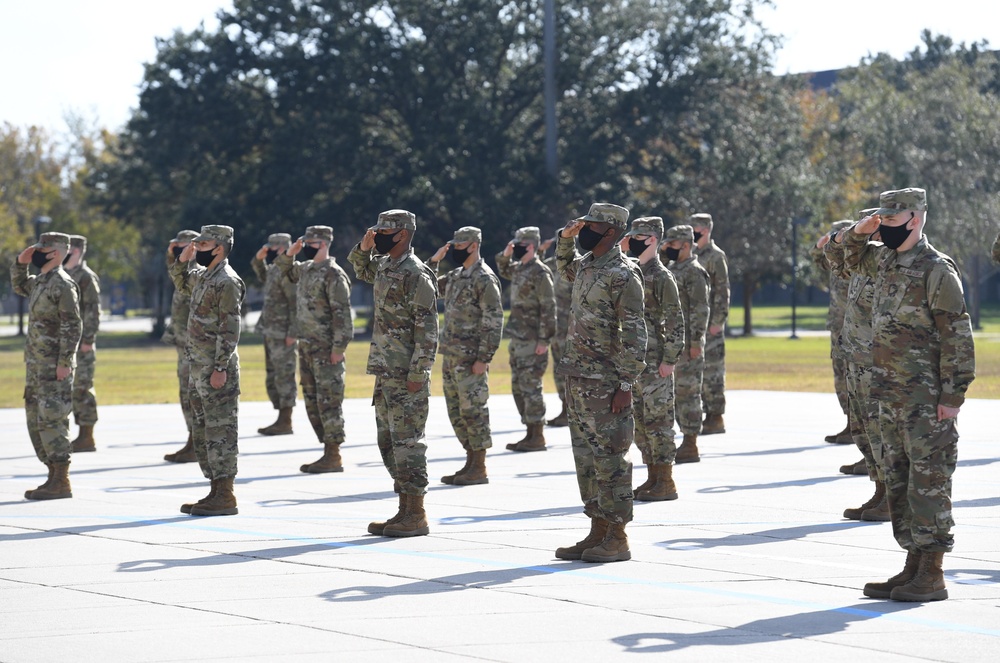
<point x="368" y="241"/>
<point x="24" y="257"/>
<point x="509" y="249"/>
<point x="187" y="253"/>
<point x="294" y="249"/>
<point x="261" y="253"/>
<point x="572" y="229"/>
<point x="440" y="253"/>
<point x="544" y="246"/>
<point x="867" y="225"/>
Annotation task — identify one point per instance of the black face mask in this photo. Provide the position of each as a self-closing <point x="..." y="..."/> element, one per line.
<point x="271" y="255"/>
<point x="39" y="259"/>
<point x="670" y="254"/>
<point x="697" y="236"/>
<point x="459" y="256"/>
<point x="894" y="236"/>
<point x="636" y="246"/>
<point x="309" y="252"/>
<point x="589" y="239"/>
<point x="178" y="250"/>
<point x="520" y="250"/>
<point x="204" y="258"/>
<point x="384" y="243"/>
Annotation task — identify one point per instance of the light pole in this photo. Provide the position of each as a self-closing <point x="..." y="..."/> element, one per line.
<point x="795" y="269"/>
<point x="40" y="224"/>
<point x="549" y="54"/>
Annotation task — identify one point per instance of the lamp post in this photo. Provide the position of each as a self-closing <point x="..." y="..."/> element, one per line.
<point x="795" y="269"/>
<point x="40" y="224"/>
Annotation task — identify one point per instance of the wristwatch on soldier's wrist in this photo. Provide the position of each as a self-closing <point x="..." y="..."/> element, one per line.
<point x="624" y="386"/>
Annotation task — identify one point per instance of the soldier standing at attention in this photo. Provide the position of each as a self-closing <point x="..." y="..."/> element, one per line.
<point x="837" y="287"/>
<point x="603" y="360"/>
<point x="324" y="328"/>
<point x="692" y="285"/>
<point x="564" y="300"/>
<point x="924" y="361"/>
<point x="653" y="396"/>
<point x="473" y="325"/>
<point x="531" y="326"/>
<point x="213" y="332"/>
<point x="276" y="325"/>
<point x="713" y="384"/>
<point x="84" y="398"/>
<point x="54" y="330"/>
<point x="176" y="334"/>
<point x="404" y="342"/>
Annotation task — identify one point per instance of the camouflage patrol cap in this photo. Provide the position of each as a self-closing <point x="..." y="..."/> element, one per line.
<point x="866" y="212"/>
<point x="78" y="242"/>
<point x="396" y="219"/>
<point x="220" y="234"/>
<point x="608" y="213"/>
<point x="53" y="241"/>
<point x="647" y="225"/>
<point x="321" y="233"/>
<point x="892" y="202"/>
<point x="279" y="239"/>
<point x="840" y="225"/>
<point x="186" y="236"/>
<point x="468" y="234"/>
<point x="528" y="234"/>
<point x="701" y="220"/>
<point x="684" y="233"/>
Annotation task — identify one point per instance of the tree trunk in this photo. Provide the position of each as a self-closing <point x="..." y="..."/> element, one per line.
<point x="749" y="285"/>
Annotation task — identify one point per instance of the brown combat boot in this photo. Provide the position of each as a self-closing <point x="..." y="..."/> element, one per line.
<point x="560" y="420"/>
<point x="663" y="488"/>
<point x="450" y="478"/>
<point x="843" y="437"/>
<point x="283" y="426"/>
<point x="535" y="441"/>
<point x="58" y="488"/>
<point x="185" y="455"/>
<point x="413" y="522"/>
<point x="928" y="582"/>
<point x="688" y="451"/>
<point x="614" y="547"/>
<point x="878" y="513"/>
<point x="187" y="506"/>
<point x="651" y="479"/>
<point x="84" y="440"/>
<point x="476" y="474"/>
<point x="859" y="468"/>
<point x="378" y="527"/>
<point x="44" y="485"/>
<point x="598" y="529"/>
<point x="328" y="462"/>
<point x="873" y="501"/>
<point x="714" y="424"/>
<point x="222" y="503"/>
<point x="883" y="590"/>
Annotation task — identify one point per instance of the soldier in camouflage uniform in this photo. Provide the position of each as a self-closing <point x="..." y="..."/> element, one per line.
<point x="54" y="330"/>
<point x="276" y="325"/>
<point x="324" y="328"/>
<point x="837" y="287"/>
<point x="653" y="396"/>
<point x="564" y="300"/>
<point x="176" y="334"/>
<point x="473" y="325"/>
<point x="693" y="287"/>
<point x="924" y="361"/>
<point x="202" y="270"/>
<point x="603" y="360"/>
<point x="404" y="342"/>
<point x="996" y="250"/>
<point x="84" y="398"/>
<point x="531" y="326"/>
<point x="713" y="384"/>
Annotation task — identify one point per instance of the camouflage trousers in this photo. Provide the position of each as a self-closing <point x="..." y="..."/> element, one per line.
<point x="84" y="397"/>
<point x="47" y="404"/>
<point x="558" y="349"/>
<point x="687" y="392"/>
<point x="863" y="418"/>
<point x="839" y="375"/>
<point x="713" y="382"/>
<point x="919" y="457"/>
<point x="466" y="395"/>
<point x="323" y="391"/>
<point x="215" y="413"/>
<point x="279" y="367"/>
<point x="601" y="440"/>
<point x="526" y="372"/>
<point x="400" y="418"/>
<point x="184" y="380"/>
<point x="653" y="401"/>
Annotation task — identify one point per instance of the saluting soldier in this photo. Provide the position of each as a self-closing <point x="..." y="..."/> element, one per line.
<point x="176" y="334"/>
<point x="84" y="397"/>
<point x="564" y="301"/>
<point x="713" y="383"/>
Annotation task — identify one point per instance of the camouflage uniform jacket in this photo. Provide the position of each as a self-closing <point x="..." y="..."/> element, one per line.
<point x="855" y="339"/>
<point x="405" y="334"/>
<point x="664" y="318"/>
<point x="713" y="259"/>
<point x="922" y="346"/>
<point x="532" y="300"/>
<point x="996" y="250"/>
<point x="54" y="324"/>
<point x="90" y="300"/>
<point x="277" y="317"/>
<point x="837" y="285"/>
<point x="213" y="328"/>
<point x="607" y="332"/>
<point x="692" y="285"/>
<point x="473" y="312"/>
<point x="564" y="297"/>
<point x="323" y="302"/>
<point x="180" y="309"/>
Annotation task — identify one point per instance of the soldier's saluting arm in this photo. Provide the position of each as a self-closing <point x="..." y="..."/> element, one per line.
<point x="365" y="268"/>
<point x="567" y="258"/>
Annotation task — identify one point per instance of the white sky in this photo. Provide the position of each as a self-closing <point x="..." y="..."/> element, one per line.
<point x="86" y="56"/>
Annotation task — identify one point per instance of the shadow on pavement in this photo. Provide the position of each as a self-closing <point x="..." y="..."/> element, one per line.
<point x="766" y="536"/>
<point x="776" y="484"/>
<point x="88" y="529"/>
<point x="517" y="515"/>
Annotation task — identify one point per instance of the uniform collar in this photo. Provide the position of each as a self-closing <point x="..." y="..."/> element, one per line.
<point x="614" y="255"/>
<point x="393" y="263"/>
